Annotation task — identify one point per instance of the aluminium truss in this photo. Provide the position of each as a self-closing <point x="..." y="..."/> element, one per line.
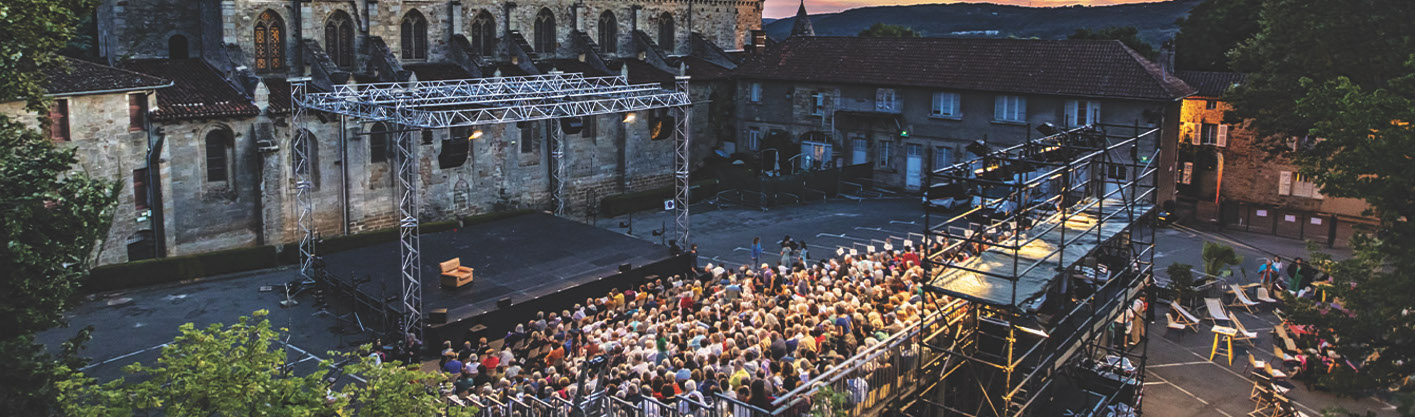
<point x="1069" y="207"/>
<point x="444" y="104"/>
<point x="302" y="147"/>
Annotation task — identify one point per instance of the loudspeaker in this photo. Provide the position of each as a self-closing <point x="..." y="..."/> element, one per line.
<point x="503" y="303"/>
<point x="437" y="316"/>
<point x="626" y="268"/>
<point x="454" y="149"/>
<point x="572" y="125"/>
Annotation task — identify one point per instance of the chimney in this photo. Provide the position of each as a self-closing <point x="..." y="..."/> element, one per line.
<point x="1166" y="58"/>
<point x="758" y="42"/>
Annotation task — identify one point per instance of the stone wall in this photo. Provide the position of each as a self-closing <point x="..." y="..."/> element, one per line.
<point x="107" y="150"/>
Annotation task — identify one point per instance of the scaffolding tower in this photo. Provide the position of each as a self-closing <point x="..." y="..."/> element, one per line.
<point x="415" y="106"/>
<point x="1048" y="263"/>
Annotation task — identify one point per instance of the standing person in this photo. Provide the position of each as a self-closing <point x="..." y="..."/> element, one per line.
<point x="756" y="250"/>
<point x="787" y="254"/>
<point x="693" y="257"/>
<point x="805" y="254"/>
<point x="1266" y="274"/>
<point x="1294" y="276"/>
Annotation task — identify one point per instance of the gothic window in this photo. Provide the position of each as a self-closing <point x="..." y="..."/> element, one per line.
<point x="177" y="47"/>
<point x="665" y="32"/>
<point x="414" y="36"/>
<point x="484" y="34"/>
<point x="339" y="39"/>
<point x="608" y="33"/>
<point x="218" y="155"/>
<point x="269" y="42"/>
<point x="378" y="143"/>
<point x="545" y="32"/>
<point x="306" y="162"/>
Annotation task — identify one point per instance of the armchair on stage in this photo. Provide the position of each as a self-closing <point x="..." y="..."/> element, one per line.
<point x="454" y="274"/>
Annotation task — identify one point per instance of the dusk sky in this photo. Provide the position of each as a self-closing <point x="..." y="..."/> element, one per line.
<point x="787" y="8"/>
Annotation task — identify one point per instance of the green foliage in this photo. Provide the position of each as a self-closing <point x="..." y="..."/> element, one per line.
<point x="829" y="403"/>
<point x="1128" y="35"/>
<point x="1218" y="258"/>
<point x="33" y="30"/>
<point x="1366" y="41"/>
<point x="1213" y="28"/>
<point x="1308" y="77"/>
<point x="1181" y="281"/>
<point x="238" y="370"/>
<point x="885" y="30"/>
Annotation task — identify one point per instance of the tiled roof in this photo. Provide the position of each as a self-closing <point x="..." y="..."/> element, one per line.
<point x="641" y="72"/>
<point x="200" y="91"/>
<point x="437" y="71"/>
<point x="1211" y="84"/>
<point x="1085" y="68"/>
<point x="87" y="77"/>
<point x="279" y="99"/>
<point x="703" y="70"/>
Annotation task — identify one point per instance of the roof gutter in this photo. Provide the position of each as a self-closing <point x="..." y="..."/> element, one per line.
<point x="120" y="90"/>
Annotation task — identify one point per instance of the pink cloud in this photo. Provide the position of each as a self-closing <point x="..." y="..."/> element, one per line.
<point x="787" y="8"/>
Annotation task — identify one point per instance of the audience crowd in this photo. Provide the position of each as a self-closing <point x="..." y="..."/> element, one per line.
<point x="748" y="333"/>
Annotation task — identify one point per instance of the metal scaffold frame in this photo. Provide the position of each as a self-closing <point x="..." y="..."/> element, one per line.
<point x="413" y="106"/>
<point x="1077" y="198"/>
<point x="301" y="147"/>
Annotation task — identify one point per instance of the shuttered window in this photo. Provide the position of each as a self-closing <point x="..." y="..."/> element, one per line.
<point x="137" y="112"/>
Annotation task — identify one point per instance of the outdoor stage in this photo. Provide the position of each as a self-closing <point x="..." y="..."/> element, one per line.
<point x="539" y="261"/>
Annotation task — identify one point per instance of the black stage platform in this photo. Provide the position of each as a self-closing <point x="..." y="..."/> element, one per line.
<point x="537" y="260"/>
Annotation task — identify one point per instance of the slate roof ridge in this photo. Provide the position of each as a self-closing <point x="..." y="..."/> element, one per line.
<point x="56" y="85"/>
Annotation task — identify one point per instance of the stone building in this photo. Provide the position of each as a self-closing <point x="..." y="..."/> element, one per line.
<point x="222" y="129"/>
<point x="1227" y="178"/>
<point x="906" y="105"/>
<point x="101" y="112"/>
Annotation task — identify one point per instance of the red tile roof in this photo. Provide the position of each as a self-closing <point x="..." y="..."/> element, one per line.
<point x="87" y="77"/>
<point x="200" y="91"/>
<point x="1084" y="68"/>
<point x="1211" y="84"/>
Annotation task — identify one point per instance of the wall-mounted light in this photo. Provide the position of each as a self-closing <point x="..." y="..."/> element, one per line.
<point x="475" y="134"/>
<point x="629" y="117"/>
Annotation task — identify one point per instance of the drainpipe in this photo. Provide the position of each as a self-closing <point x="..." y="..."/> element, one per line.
<point x="154" y="185"/>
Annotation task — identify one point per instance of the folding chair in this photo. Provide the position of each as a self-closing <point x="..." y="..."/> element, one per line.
<point x="1240" y="298"/>
<point x="1216" y="311"/>
<point x="1243" y="333"/>
<point x="1184" y="317"/>
<point x="1254" y="365"/>
<point x="1264" y="297"/>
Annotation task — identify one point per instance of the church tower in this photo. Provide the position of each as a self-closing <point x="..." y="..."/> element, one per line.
<point x="802" y="25"/>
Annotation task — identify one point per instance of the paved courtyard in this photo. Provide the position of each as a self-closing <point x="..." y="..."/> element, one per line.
<point x="131" y="325"/>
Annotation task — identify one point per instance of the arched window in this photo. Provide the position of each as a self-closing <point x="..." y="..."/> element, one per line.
<point x="269" y="42"/>
<point x="306" y="162"/>
<point x="177" y="47"/>
<point x="545" y="32"/>
<point x="378" y="143"/>
<point x="484" y="34"/>
<point x="414" y="36"/>
<point x="218" y="155"/>
<point x="339" y="39"/>
<point x="665" y="32"/>
<point x="608" y="33"/>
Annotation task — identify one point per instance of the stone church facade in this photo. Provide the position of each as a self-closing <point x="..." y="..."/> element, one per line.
<point x="220" y="128"/>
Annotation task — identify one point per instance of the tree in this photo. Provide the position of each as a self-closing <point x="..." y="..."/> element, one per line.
<point x="240" y="369"/>
<point x="1128" y="35"/>
<point x="33" y="30"/>
<point x="885" y="30"/>
<point x="1218" y="258"/>
<point x="1342" y="71"/>
<point x="1213" y="28"/>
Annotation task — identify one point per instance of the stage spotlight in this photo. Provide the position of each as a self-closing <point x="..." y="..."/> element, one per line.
<point x="978" y="148"/>
<point x="475" y="134"/>
<point x="1048" y="129"/>
<point x="629" y="117"/>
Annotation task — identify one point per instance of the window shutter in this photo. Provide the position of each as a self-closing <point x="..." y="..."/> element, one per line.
<point x="1071" y="119"/>
<point x="1284" y="183"/>
<point x="1194" y="133"/>
<point x="1187" y="176"/>
<point x="1222" y="135"/>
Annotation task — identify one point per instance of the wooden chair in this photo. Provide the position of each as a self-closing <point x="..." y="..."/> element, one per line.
<point x="1265" y="297"/>
<point x="1243" y="333"/>
<point x="1183" y="316"/>
<point x="454" y="274"/>
<point x="1216" y="311"/>
<point x="1240" y="298"/>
